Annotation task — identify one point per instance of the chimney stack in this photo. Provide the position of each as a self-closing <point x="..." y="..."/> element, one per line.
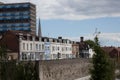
<point x="59" y="37"/>
<point x="81" y="39"/>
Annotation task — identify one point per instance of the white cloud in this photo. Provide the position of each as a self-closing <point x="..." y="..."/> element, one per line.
<point x="111" y="36"/>
<point x="106" y="39"/>
<point x="74" y="9"/>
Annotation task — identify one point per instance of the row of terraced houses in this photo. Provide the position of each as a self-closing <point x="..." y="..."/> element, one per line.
<point x="18" y="34"/>
<point x="24" y="46"/>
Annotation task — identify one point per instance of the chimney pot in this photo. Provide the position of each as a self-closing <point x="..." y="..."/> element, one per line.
<point x="81" y="39"/>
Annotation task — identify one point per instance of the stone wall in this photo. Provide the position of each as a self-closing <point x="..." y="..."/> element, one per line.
<point x="68" y="69"/>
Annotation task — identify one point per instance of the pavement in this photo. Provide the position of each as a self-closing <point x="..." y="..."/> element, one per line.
<point x="83" y="78"/>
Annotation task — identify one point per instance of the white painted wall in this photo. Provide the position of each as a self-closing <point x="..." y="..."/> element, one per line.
<point x="65" y="50"/>
<point x="91" y="52"/>
<point x="32" y="49"/>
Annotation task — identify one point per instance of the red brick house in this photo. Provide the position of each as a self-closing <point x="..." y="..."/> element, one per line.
<point x="75" y="49"/>
<point x="113" y="52"/>
<point x="11" y="41"/>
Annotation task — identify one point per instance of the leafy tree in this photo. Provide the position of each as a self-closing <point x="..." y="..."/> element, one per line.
<point x="12" y="70"/>
<point x="30" y="71"/>
<point x="3" y="63"/>
<point x="96" y="41"/>
<point x="103" y="68"/>
<point x="3" y="53"/>
<point x="26" y="71"/>
<point x="90" y="43"/>
<point x="118" y="68"/>
<point x="19" y="71"/>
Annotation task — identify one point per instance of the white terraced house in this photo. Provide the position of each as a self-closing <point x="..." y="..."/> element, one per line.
<point x="57" y="48"/>
<point x="31" y="48"/>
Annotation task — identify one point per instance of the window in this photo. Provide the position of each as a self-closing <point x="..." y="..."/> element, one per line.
<point x="24" y="56"/>
<point x="31" y="56"/>
<point x="36" y="46"/>
<point x="39" y="46"/>
<point x="58" y="49"/>
<point x="23" y="46"/>
<point x="54" y="56"/>
<point x="67" y="55"/>
<point x="62" y="48"/>
<point x="42" y="46"/>
<point x="48" y="47"/>
<point x="30" y="46"/>
<point x="53" y="48"/>
<point x="66" y="48"/>
<point x="37" y="56"/>
<point x="27" y="46"/>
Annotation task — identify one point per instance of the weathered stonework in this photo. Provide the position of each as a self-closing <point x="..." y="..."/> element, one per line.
<point x="69" y="69"/>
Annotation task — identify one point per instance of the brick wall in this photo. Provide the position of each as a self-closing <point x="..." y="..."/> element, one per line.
<point x="69" y="69"/>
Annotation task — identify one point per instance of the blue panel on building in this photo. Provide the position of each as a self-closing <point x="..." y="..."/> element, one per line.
<point x="17" y="16"/>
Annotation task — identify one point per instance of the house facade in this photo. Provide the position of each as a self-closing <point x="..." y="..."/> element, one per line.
<point x="22" y="46"/>
<point x="84" y="49"/>
<point x="113" y="52"/>
<point x="28" y="47"/>
<point x="57" y="48"/>
<point x="75" y="49"/>
<point x="31" y="49"/>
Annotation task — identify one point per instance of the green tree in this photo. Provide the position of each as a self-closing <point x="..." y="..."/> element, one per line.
<point x="90" y="43"/>
<point x="103" y="67"/>
<point x="30" y="71"/>
<point x="19" y="71"/>
<point x="26" y="71"/>
<point x="3" y="53"/>
<point x="3" y="63"/>
<point x="118" y="68"/>
<point x="13" y="70"/>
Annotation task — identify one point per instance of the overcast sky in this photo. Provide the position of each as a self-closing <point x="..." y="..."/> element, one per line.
<point x="75" y="18"/>
<point x="74" y="9"/>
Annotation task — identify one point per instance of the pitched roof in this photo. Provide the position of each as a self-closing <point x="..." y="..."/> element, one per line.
<point x="10" y="40"/>
<point x="110" y="49"/>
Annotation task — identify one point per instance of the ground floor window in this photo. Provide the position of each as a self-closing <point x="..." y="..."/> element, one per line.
<point x="31" y="56"/>
<point x="54" y="56"/>
<point x="24" y="56"/>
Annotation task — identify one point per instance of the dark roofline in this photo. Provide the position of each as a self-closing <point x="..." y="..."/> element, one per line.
<point x="63" y="40"/>
<point x="17" y="3"/>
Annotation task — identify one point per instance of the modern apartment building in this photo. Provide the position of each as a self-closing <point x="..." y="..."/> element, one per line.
<point x="18" y="16"/>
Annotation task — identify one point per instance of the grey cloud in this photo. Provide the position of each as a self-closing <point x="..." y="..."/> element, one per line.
<point x="75" y="9"/>
<point x="92" y="7"/>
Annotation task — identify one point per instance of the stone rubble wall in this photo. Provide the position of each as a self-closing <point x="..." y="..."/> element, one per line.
<point x="67" y="69"/>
